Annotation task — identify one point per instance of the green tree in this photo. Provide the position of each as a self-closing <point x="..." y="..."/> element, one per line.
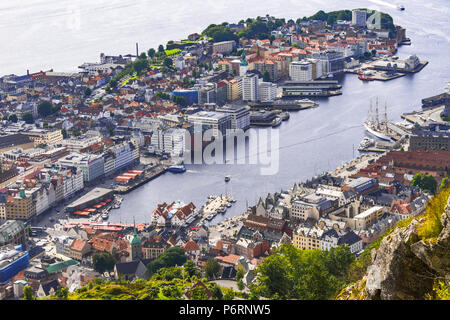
<point x="140" y="65"/>
<point x="168" y="62"/>
<point x="266" y="76"/>
<point x="190" y="268"/>
<point x="240" y="272"/>
<point x="27" y="293"/>
<point x="103" y="261"/>
<point x="13" y="118"/>
<point x="337" y="260"/>
<point x="444" y="183"/>
<point x="45" y="109"/>
<point x="143" y="56"/>
<point x="171" y="257"/>
<point x="426" y="182"/>
<point x="113" y="83"/>
<point x="179" y="100"/>
<point x="151" y="52"/>
<point x="216" y="291"/>
<point x="212" y="268"/>
<point x="170" y="273"/>
<point x="87" y="91"/>
<point x="28" y="118"/>
<point x="161" y="48"/>
<point x="62" y="293"/>
<point x="198" y="293"/>
<point x="240" y="284"/>
<point x="275" y="276"/>
<point x="229" y="294"/>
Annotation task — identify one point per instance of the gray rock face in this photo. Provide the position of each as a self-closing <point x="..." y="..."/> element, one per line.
<point x="396" y="272"/>
<point x="436" y="255"/>
<point x="401" y="270"/>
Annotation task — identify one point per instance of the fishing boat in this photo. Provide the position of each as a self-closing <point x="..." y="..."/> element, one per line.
<point x="375" y="126"/>
<point x="227" y="178"/>
<point x="400" y="7"/>
<point x="228" y="205"/>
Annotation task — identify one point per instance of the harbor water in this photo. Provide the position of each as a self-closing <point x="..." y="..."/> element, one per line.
<point x="63" y="34"/>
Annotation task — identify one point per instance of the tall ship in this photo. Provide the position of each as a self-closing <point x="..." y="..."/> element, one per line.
<point x="375" y="126"/>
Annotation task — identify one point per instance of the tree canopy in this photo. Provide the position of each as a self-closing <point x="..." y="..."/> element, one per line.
<point x="103" y="261"/>
<point x="171" y="257"/>
<point x="212" y="268"/>
<point x="46" y="108"/>
<point x="291" y="273"/>
<point x="426" y="182"/>
<point x="28" y="118"/>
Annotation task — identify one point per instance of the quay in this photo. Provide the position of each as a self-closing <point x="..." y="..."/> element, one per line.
<point x="426" y="115"/>
<point x="285" y="105"/>
<point x="148" y="176"/>
<point x="213" y="205"/>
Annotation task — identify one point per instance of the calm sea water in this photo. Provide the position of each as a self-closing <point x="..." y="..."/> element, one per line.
<point x="43" y="34"/>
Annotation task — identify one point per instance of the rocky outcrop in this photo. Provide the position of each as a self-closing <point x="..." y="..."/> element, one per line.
<point x="404" y="267"/>
<point x="436" y="254"/>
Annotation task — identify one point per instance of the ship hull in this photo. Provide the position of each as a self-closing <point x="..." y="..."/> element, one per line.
<point x="379" y="135"/>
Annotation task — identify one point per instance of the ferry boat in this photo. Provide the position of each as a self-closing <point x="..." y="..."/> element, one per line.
<point x="375" y="126"/>
<point x="227" y="178"/>
<point x="177" y="168"/>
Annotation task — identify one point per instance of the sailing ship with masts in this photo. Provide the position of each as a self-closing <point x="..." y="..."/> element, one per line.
<point x="376" y="126"/>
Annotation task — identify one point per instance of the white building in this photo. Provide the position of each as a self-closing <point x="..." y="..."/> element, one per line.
<point x="301" y="70"/>
<point x="179" y="63"/>
<point x="359" y="18"/>
<point x="240" y="116"/>
<point x="267" y="91"/>
<point x="91" y="165"/>
<point x="223" y="46"/>
<point x="216" y="121"/>
<point x="250" y="87"/>
<point x="171" y="141"/>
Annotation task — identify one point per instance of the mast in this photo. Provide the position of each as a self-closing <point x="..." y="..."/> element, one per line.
<point x="377" y="115"/>
<point x="385" y="116"/>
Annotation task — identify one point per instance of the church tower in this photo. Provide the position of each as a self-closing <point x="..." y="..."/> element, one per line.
<point x="243" y="67"/>
<point x="135" y="246"/>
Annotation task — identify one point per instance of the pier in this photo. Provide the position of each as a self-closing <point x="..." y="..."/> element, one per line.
<point x="148" y="176"/>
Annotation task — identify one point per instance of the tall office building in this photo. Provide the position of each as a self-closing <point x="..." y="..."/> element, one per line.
<point x="250" y="87"/>
<point x="359" y="18"/>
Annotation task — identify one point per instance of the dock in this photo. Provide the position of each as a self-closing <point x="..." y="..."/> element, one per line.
<point x="213" y="205"/>
<point x="149" y="175"/>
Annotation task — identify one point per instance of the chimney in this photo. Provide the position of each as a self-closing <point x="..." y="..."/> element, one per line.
<point x="137" y="51"/>
<point x="28" y="72"/>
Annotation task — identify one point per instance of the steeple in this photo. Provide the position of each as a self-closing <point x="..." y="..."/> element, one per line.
<point x="243" y="60"/>
<point x="135" y="239"/>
